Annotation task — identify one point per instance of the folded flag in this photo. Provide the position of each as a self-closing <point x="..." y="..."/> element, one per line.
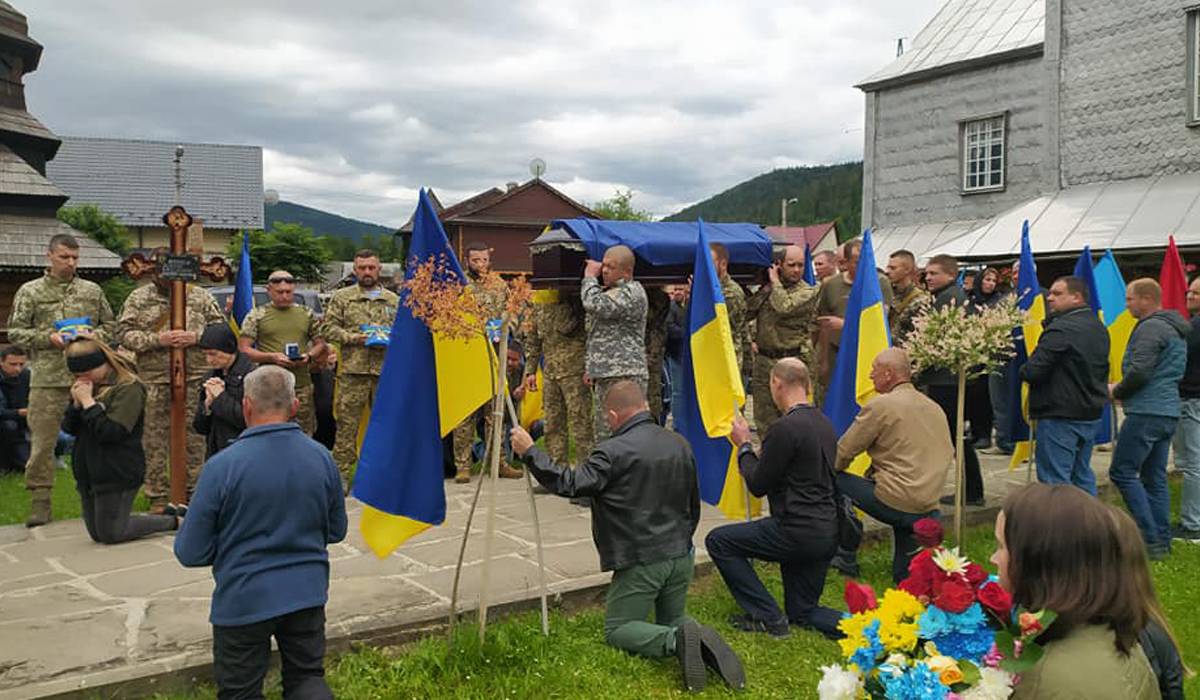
<point x="1084" y="270"/>
<point x="243" y="287"/>
<point x="1173" y="280"/>
<point x="428" y="385"/>
<point x="1025" y="339"/>
<point x="810" y="274"/>
<point x="1110" y="288"/>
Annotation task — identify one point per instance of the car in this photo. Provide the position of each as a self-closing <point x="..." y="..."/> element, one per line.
<point x="304" y="297"/>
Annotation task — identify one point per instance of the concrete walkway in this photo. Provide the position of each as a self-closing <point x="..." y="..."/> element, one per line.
<point x="77" y="616"/>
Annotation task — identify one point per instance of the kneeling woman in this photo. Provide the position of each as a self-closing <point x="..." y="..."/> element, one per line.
<point x="108" y="460"/>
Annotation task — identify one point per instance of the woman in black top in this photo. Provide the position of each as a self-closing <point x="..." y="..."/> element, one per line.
<point x="108" y="460"/>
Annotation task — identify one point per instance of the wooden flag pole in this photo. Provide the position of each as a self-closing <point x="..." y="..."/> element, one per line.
<point x="462" y="551"/>
<point x="960" y="479"/>
<point x="497" y="428"/>
<point x="537" y="528"/>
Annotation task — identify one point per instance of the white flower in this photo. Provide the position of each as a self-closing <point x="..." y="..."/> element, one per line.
<point x="994" y="684"/>
<point x="838" y="684"/>
<point x="948" y="560"/>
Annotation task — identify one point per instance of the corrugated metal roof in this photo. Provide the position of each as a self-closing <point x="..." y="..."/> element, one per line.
<point x="968" y="30"/>
<point x="1121" y="215"/>
<point x="18" y="177"/>
<point x="23" y="244"/>
<point x="922" y="240"/>
<point x="135" y="180"/>
<point x="813" y="235"/>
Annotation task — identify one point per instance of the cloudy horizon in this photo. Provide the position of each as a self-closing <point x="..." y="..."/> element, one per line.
<point x="358" y="105"/>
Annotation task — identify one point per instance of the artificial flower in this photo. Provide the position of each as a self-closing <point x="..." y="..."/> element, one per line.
<point x="866" y="657"/>
<point x="995" y="598"/>
<point x="971" y="646"/>
<point x="852" y="630"/>
<point x="950" y="561"/>
<point x="860" y="597"/>
<point x="928" y="532"/>
<point x="919" y="683"/>
<point x="838" y="683"/>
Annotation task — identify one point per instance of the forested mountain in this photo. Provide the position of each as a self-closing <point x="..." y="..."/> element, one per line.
<point x="823" y="192"/>
<point x="322" y="223"/>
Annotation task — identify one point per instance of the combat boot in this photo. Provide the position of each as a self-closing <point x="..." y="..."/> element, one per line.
<point x="39" y="513"/>
<point x="463" y="475"/>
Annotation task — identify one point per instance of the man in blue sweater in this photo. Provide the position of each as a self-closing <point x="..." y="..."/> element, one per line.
<point x="264" y="511"/>
<point x="1149" y="392"/>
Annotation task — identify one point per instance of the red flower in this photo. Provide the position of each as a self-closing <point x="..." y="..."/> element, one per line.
<point x="928" y="532"/>
<point x="860" y="597"/>
<point x="995" y="598"/>
<point x="955" y="596"/>
<point x="976" y="574"/>
<point x="1030" y="624"/>
<point x="921" y="574"/>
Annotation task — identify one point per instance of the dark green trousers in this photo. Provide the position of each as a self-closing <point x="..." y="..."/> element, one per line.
<point x="637" y="591"/>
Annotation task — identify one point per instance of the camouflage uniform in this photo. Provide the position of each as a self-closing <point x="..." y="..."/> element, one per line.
<point x="147" y="312"/>
<point x="557" y="337"/>
<point x="36" y="307"/>
<point x="783" y="321"/>
<point x="658" y="305"/>
<point x="735" y="306"/>
<point x="258" y="327"/>
<point x="358" y="365"/>
<point x="492" y="297"/>
<point x="906" y="305"/>
<point x="616" y="342"/>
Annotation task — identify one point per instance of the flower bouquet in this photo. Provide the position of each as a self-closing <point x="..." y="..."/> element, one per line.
<point x="946" y="632"/>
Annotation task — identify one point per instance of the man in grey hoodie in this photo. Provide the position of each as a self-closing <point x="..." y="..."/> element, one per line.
<point x="1149" y="391"/>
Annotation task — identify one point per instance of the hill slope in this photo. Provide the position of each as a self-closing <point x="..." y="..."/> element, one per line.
<point x="824" y="192"/>
<point x="322" y="223"/>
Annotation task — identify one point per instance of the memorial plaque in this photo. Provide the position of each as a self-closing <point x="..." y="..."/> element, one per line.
<point x="180" y="268"/>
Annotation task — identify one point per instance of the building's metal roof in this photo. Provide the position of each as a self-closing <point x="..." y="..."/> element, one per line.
<point x="966" y="31"/>
<point x="922" y="240"/>
<point x="814" y="235"/>
<point x="1121" y="215"/>
<point x="135" y="180"/>
<point x="23" y="244"/>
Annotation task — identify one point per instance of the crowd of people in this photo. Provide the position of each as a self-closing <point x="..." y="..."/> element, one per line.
<point x="609" y="356"/>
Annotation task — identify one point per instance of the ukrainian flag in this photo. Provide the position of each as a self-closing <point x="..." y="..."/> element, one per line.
<point x="864" y="335"/>
<point x="243" y="287"/>
<point x="810" y="274"/>
<point x="1085" y="271"/>
<point x="713" y="391"/>
<point x="428" y="385"/>
<point x="1110" y="289"/>
<point x="1025" y="339"/>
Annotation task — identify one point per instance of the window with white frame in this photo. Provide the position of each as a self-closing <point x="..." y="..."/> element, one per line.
<point x="1193" y="64"/>
<point x="983" y="154"/>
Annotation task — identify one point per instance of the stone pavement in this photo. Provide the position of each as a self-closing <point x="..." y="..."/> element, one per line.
<point x="76" y="616"/>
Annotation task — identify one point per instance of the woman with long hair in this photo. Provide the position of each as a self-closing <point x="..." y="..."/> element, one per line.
<point x="1058" y="548"/>
<point x="108" y="403"/>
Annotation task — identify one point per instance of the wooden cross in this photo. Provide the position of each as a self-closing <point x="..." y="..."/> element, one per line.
<point x="180" y="266"/>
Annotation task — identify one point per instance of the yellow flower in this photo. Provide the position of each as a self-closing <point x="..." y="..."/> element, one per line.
<point x="899" y="605"/>
<point x="898" y="636"/>
<point x="853" y="627"/>
<point x="946" y="668"/>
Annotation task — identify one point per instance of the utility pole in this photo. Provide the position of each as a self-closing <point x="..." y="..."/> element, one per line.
<point x="783" y="205"/>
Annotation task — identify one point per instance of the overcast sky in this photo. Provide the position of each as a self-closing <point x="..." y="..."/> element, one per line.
<point x="359" y="103"/>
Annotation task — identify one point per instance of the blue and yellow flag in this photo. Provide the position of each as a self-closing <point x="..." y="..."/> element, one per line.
<point x="713" y="391"/>
<point x="243" y="287"/>
<point x="864" y="335"/>
<point x="428" y="385"/>
<point x="810" y="274"/>
<point x="1084" y="270"/>
<point x="1025" y="339"/>
<point x="1110" y="288"/>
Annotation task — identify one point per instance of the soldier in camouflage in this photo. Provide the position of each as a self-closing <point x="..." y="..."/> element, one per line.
<point x="735" y="303"/>
<point x="783" y="311"/>
<point x="268" y="330"/>
<point x="38" y="305"/>
<point x="350" y="309"/>
<point x="616" y="329"/>
<point x="658" y="305"/>
<point x="557" y="339"/>
<point x="908" y="299"/>
<point x="492" y="295"/>
<point x="144" y="327"/>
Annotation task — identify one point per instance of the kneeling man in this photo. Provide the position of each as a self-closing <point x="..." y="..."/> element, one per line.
<point x="645" y="507"/>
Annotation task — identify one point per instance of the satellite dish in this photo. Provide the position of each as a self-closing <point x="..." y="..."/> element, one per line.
<point x="271" y="197"/>
<point x="537" y="167"/>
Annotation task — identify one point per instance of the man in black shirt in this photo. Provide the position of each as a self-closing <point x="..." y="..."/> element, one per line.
<point x="14" y="405"/>
<point x="795" y="473"/>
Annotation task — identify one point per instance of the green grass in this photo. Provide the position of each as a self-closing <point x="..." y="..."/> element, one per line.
<point x="518" y="662"/>
<point x="14" y="499"/>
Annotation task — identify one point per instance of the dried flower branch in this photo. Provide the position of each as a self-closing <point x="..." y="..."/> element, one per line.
<point x="436" y="297"/>
<point x="954" y="339"/>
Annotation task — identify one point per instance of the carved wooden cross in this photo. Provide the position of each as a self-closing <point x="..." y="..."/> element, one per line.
<point x="179" y="266"/>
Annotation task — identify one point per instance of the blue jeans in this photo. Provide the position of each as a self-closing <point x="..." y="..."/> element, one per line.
<point x="1187" y="460"/>
<point x="1139" y="470"/>
<point x="998" y="393"/>
<point x="904" y="542"/>
<point x="675" y="372"/>
<point x="1064" y="452"/>
<point x="803" y="563"/>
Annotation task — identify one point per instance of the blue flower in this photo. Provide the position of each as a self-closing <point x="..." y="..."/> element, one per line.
<point x="867" y="657"/>
<point x="919" y="683"/>
<point x="933" y="623"/>
<point x="968" y="620"/>
<point x="965" y="645"/>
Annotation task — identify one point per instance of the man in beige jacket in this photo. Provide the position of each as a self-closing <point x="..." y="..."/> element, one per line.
<point x="905" y="435"/>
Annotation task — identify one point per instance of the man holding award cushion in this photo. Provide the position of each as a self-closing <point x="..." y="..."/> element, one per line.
<point x="358" y="320"/>
<point x="48" y="313"/>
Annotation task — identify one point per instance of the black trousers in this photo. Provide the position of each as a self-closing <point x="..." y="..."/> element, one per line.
<point x="14" y="447"/>
<point x="108" y="519"/>
<point x="947" y="398"/>
<point x="242" y="654"/>
<point x="978" y="409"/>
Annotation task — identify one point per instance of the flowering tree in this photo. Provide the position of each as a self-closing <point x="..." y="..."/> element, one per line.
<point x="970" y="345"/>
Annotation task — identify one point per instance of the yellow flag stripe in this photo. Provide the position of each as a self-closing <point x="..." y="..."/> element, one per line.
<point x="384" y="532"/>
<point x="716" y="373"/>
<point x="733" y="495"/>
<point x="464" y="378"/>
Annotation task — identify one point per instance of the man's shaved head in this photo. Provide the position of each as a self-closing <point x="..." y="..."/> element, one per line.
<point x="791" y="372"/>
<point x="625" y="397"/>
<point x="621" y="257"/>
<point x="895" y="360"/>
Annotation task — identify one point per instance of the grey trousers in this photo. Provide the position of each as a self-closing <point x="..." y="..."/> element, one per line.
<point x="108" y="518"/>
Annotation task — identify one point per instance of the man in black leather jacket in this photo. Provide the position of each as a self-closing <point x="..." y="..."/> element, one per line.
<point x="219" y="402"/>
<point x="645" y="509"/>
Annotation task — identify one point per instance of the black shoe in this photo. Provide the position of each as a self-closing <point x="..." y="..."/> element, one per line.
<point x="1179" y="532"/>
<point x="582" y="502"/>
<point x="745" y="623"/>
<point x="721" y="658"/>
<point x="687" y="649"/>
<point x="845" y="566"/>
<point x="540" y="490"/>
<point x="177" y="509"/>
<point x="1158" y="552"/>
<point x="981" y="444"/>
<point x="949" y="501"/>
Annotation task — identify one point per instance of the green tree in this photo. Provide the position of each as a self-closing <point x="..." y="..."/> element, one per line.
<point x="339" y="248"/>
<point x="99" y="225"/>
<point x="619" y="207"/>
<point x="290" y="247"/>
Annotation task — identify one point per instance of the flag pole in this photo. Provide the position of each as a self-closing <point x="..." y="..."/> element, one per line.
<point x="537" y="528"/>
<point x="1032" y="451"/>
<point x="462" y="551"/>
<point x="960" y="489"/>
<point x="495" y="438"/>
